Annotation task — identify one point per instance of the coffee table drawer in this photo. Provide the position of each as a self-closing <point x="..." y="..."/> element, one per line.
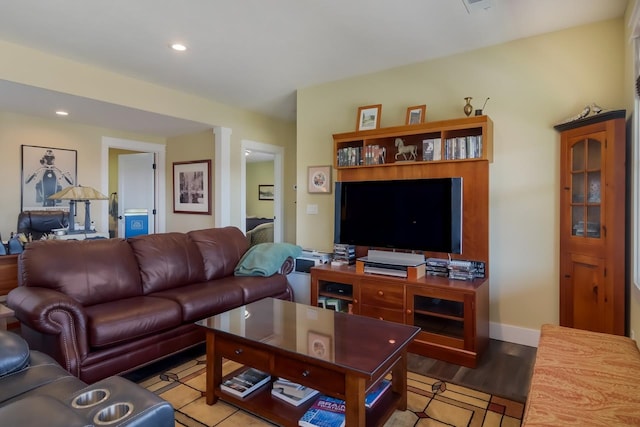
<point x="244" y="354"/>
<point x="316" y="377"/>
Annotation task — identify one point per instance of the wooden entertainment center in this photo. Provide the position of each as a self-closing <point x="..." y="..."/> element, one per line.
<point x="453" y="314"/>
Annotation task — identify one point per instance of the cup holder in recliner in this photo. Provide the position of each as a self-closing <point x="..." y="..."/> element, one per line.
<point x="113" y="413"/>
<point x="90" y="398"/>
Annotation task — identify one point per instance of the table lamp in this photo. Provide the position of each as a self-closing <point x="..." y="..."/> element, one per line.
<point x="75" y="194"/>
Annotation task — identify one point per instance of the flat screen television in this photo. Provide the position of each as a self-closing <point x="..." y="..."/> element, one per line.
<point x="417" y="214"/>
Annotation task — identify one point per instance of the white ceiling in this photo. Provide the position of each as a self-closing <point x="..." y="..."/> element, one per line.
<point x="255" y="54"/>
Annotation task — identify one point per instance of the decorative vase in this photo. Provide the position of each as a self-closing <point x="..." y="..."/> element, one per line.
<point x="468" y="108"/>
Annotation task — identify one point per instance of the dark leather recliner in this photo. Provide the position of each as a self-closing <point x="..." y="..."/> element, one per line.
<point x="35" y="390"/>
<point x="38" y="223"/>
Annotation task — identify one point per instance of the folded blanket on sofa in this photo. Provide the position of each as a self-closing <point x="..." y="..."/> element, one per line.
<point x="264" y="259"/>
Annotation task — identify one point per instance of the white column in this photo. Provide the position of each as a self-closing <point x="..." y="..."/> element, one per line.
<point x="222" y="173"/>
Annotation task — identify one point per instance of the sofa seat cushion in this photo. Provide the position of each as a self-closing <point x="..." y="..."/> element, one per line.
<point x="255" y="287"/>
<point x="37" y="380"/>
<point x="120" y="321"/>
<point x="167" y="261"/>
<point x="202" y="300"/>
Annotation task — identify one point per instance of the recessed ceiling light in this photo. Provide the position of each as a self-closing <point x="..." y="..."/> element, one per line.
<point x="62" y="113"/>
<point x="179" y="47"/>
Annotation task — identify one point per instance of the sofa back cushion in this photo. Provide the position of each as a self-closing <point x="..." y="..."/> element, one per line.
<point x="167" y="261"/>
<point x="221" y="249"/>
<point x="89" y="271"/>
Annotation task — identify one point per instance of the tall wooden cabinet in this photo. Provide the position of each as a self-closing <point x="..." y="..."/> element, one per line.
<point x="592" y="223"/>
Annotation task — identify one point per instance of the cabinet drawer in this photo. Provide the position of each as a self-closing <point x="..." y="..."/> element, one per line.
<point x="315" y="377"/>
<point x="381" y="295"/>
<point x="382" y="313"/>
<point x="243" y="354"/>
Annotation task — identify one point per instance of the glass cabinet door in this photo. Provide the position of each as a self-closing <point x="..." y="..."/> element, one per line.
<point x="585" y="180"/>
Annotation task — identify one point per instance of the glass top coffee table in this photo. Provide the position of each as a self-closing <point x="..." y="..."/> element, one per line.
<point x="338" y="354"/>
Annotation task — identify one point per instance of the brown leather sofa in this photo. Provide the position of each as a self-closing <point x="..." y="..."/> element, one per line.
<point x="104" y="307"/>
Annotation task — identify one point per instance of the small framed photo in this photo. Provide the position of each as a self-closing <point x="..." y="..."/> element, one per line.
<point x="192" y="187"/>
<point x="265" y="192"/>
<point x="369" y="117"/>
<point x="319" y="345"/>
<point x="319" y="179"/>
<point x="416" y="115"/>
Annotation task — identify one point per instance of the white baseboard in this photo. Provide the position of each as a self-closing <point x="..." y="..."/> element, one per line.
<point x="514" y="334"/>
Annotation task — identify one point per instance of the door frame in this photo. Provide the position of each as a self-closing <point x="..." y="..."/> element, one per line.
<point x="278" y="177"/>
<point x="160" y="175"/>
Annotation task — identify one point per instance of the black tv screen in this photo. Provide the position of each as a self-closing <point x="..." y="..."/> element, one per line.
<point x="418" y="214"/>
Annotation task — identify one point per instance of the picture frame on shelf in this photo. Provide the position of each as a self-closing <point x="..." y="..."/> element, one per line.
<point x="192" y="187"/>
<point x="369" y="117"/>
<point x="416" y="115"/>
<point x="319" y="179"/>
<point x="319" y="345"/>
<point x="44" y="172"/>
<point x="265" y="192"/>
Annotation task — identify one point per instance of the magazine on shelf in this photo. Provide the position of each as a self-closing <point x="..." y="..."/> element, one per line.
<point x="373" y="396"/>
<point x="245" y="382"/>
<point x="293" y="393"/>
<point x="325" y="412"/>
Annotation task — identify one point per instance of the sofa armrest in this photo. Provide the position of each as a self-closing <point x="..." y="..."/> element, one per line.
<point x="57" y="318"/>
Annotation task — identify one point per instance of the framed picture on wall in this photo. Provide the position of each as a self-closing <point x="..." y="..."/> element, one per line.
<point x="416" y="115"/>
<point x="265" y="192"/>
<point x="369" y="117"/>
<point x="45" y="171"/>
<point x="319" y="179"/>
<point x="192" y="187"/>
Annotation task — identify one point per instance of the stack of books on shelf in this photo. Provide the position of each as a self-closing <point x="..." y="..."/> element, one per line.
<point x="437" y="267"/>
<point x="461" y="270"/>
<point x="334" y="304"/>
<point x="373" y="396"/>
<point x="432" y="149"/>
<point x="344" y="254"/>
<point x="374" y="155"/>
<point x="292" y="393"/>
<point x="350" y="156"/>
<point x="244" y="382"/>
<point x="329" y="411"/>
<point x="326" y="411"/>
<point x="464" y="147"/>
<point x="455" y="268"/>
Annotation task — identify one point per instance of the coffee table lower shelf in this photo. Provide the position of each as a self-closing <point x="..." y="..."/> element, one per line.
<point x="264" y="405"/>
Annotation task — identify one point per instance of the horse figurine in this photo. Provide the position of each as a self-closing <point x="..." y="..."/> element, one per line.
<point x="412" y="150"/>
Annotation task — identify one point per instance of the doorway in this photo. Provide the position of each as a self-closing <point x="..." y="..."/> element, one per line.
<point x="158" y="151"/>
<point x="276" y="153"/>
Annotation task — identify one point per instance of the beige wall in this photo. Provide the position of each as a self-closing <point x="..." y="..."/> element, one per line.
<point x="185" y="148"/>
<point x="17" y="130"/>
<point x="28" y="66"/>
<point x="533" y="83"/>
<point x="259" y="173"/>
